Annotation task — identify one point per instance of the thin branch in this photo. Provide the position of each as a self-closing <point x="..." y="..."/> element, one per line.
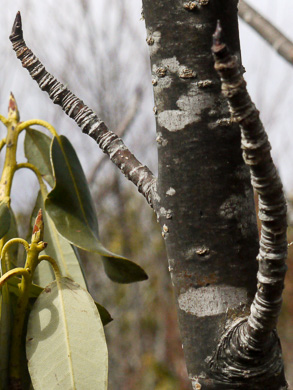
<point x="85" y="118"/>
<point x="272" y="205"/>
<point x="121" y="131"/>
<point x="266" y="30"/>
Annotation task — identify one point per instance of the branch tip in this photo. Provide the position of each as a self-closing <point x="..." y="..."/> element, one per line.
<point x="38" y="230"/>
<point x="217" y="36"/>
<point x="17" y="27"/>
<point x="85" y="118"/>
<point x="12" y="108"/>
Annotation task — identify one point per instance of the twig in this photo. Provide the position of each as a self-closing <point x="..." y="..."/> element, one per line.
<point x="266" y="30"/>
<point x="272" y="205"/>
<point x="121" y="131"/>
<point x="85" y="118"/>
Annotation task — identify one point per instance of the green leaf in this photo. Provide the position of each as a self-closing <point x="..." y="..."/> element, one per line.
<point x="59" y="249"/>
<point x="71" y="208"/>
<point x="123" y="271"/>
<point x="69" y="204"/>
<point x="65" y="343"/>
<point x="104" y="314"/>
<point x="36" y="290"/>
<point x="37" y="152"/>
<point x="5" y="218"/>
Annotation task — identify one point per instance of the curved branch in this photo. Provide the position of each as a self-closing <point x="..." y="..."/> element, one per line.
<point x="272" y="205"/>
<point x="3" y="120"/>
<point x="121" y="131"/>
<point x="85" y="118"/>
<point x="53" y="263"/>
<point x="266" y="30"/>
<point x="36" y="172"/>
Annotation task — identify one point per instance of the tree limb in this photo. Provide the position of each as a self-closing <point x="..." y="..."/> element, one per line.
<point x="258" y="333"/>
<point x="266" y="30"/>
<point x="121" y="131"/>
<point x="85" y="118"/>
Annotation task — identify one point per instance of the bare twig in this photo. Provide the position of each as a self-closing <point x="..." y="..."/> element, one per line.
<point x="85" y="118"/>
<point x="266" y="30"/>
<point x="121" y="131"/>
<point x="272" y="205"/>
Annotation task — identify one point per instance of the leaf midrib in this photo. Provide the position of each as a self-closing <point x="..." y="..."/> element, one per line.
<point x="69" y="354"/>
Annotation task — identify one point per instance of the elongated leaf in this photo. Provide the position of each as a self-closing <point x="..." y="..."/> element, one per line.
<point x="37" y="152"/>
<point x="5" y="218"/>
<point x="65" y="343"/>
<point x="69" y="204"/>
<point x="123" y="271"/>
<point x="104" y="314"/>
<point x="71" y="208"/>
<point x="36" y="290"/>
<point x="59" y="249"/>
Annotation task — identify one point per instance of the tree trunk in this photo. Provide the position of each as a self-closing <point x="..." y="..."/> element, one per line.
<point x="205" y="200"/>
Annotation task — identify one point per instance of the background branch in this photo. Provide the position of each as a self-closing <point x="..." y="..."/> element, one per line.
<point x="266" y="30"/>
<point x="85" y="118"/>
<point x="122" y="129"/>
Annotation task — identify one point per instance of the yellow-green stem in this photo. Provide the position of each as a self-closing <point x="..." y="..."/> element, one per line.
<point x="20" y="313"/>
<point x="2" y="143"/>
<point x="13" y="272"/>
<point x="53" y="264"/>
<point x="33" y="122"/>
<point x="11" y="145"/>
<point x="5" y="263"/>
<point x="43" y="187"/>
<point x="3" y="120"/>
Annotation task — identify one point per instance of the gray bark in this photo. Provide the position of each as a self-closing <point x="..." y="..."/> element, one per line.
<point x="206" y="206"/>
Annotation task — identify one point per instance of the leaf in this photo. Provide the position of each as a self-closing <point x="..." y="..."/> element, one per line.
<point x="123" y="271"/>
<point x="65" y="343"/>
<point x="69" y="204"/>
<point x="5" y="218"/>
<point x="71" y="208"/>
<point x="59" y="249"/>
<point x="37" y="152"/>
<point x="104" y="314"/>
<point x="36" y="290"/>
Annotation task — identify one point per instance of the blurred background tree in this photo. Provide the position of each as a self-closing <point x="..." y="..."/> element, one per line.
<point x="98" y="49"/>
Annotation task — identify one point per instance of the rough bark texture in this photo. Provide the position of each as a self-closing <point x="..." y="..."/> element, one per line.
<point x="85" y="118"/>
<point x="205" y="199"/>
<point x="252" y="347"/>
